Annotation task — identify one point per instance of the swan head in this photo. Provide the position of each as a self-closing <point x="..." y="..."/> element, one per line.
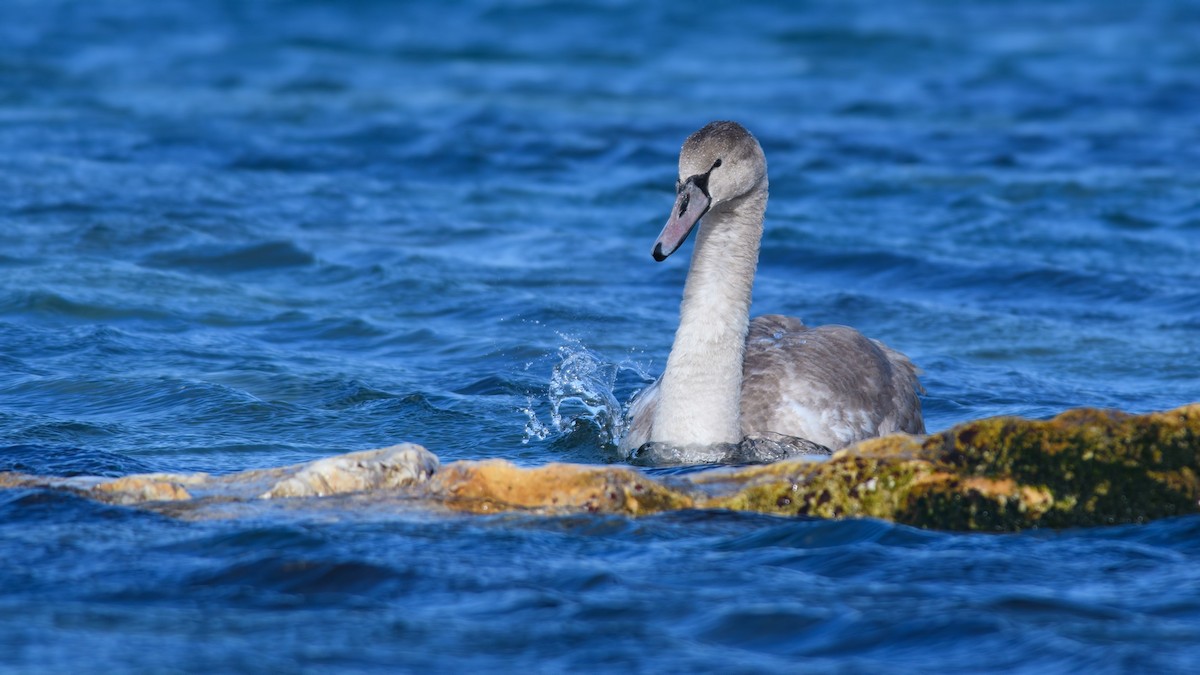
<point x="718" y="164"/>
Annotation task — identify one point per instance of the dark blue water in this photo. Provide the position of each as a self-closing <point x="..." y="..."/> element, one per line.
<point x="237" y="235"/>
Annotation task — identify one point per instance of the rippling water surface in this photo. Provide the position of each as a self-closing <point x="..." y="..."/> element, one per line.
<point x="236" y="235"/>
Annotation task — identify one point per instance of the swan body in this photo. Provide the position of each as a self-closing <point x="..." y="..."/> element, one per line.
<point x="728" y="377"/>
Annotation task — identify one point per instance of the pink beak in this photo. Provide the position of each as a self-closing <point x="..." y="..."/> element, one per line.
<point x="691" y="204"/>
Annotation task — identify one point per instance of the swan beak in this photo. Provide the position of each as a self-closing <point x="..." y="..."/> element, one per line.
<point x="691" y="204"/>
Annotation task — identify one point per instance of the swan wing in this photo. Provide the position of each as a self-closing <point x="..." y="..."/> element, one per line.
<point x="640" y="419"/>
<point x="829" y="384"/>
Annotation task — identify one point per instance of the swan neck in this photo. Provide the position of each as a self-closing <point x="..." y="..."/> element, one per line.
<point x="700" y="398"/>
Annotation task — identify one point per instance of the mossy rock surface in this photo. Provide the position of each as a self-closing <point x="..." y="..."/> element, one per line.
<point x="1084" y="467"/>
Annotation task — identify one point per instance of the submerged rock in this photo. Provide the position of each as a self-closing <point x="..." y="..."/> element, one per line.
<point x="1084" y="467"/>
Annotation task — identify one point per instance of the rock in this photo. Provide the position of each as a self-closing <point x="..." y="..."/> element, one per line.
<point x="138" y="489"/>
<point x="387" y="469"/>
<point x="1084" y="467"/>
<point x="496" y="485"/>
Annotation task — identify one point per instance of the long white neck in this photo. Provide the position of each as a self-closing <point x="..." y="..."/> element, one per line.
<point x="701" y="389"/>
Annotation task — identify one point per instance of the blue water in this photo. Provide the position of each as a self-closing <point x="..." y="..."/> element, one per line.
<point x="242" y="234"/>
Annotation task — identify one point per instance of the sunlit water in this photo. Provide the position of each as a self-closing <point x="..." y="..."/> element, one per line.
<point x="236" y="235"/>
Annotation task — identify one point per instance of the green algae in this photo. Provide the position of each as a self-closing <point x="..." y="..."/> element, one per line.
<point x="1084" y="467"/>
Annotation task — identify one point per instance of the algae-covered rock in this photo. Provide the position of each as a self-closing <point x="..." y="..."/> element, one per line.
<point x="1084" y="467"/>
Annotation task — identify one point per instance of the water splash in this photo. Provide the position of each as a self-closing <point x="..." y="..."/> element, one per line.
<point x="534" y="429"/>
<point x="584" y="406"/>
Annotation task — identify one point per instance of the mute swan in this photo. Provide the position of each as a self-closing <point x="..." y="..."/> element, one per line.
<point x="728" y="377"/>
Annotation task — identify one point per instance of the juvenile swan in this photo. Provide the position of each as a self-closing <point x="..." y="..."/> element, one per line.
<point x="728" y="377"/>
